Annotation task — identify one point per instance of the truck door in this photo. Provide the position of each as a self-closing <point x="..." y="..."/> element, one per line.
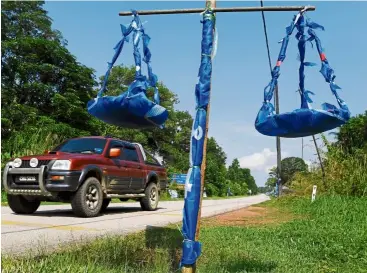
<point x="136" y="168"/>
<point x="118" y="177"/>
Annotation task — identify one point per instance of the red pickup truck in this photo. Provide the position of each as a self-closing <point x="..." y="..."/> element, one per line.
<point x="86" y="172"/>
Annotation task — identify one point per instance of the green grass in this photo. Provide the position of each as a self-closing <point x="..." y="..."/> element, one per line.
<point x="330" y="235"/>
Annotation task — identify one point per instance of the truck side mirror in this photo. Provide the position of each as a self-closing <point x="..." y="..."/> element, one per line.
<point x="115" y="152"/>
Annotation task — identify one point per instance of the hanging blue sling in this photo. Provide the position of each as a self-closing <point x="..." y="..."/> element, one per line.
<point x="132" y="108"/>
<point x="304" y="121"/>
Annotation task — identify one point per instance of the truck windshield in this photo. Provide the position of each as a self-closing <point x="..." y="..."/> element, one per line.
<point x="82" y="145"/>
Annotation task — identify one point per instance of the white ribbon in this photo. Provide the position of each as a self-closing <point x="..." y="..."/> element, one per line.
<point x="215" y="43"/>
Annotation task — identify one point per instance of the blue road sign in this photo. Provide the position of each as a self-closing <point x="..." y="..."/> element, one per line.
<point x="179" y="178"/>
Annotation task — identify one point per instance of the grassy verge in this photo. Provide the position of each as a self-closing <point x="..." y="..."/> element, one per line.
<point x="287" y="235"/>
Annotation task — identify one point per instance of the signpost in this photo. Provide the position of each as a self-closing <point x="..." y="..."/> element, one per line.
<point x="179" y="179"/>
<point x="314" y="189"/>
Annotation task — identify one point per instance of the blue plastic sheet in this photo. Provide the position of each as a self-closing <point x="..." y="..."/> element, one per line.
<point x="304" y="121"/>
<point x="191" y="248"/>
<point x="131" y="109"/>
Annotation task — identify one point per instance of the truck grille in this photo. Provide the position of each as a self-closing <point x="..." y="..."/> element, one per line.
<point x="26" y="163"/>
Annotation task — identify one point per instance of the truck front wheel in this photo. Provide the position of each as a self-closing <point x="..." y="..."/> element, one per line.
<point x="21" y="205"/>
<point x="150" y="201"/>
<point x="105" y="204"/>
<point x="87" y="201"/>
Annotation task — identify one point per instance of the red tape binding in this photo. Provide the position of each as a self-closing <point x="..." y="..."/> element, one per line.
<point x="322" y="57"/>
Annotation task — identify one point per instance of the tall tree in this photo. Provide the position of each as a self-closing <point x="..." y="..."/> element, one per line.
<point x="39" y="75"/>
<point x="239" y="178"/>
<point x="250" y="180"/>
<point x="290" y="166"/>
<point x="215" y="174"/>
<point x="234" y="171"/>
<point x="272" y="179"/>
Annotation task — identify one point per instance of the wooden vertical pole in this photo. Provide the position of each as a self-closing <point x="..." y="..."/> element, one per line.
<point x="320" y="160"/>
<point x="212" y="4"/>
<point x="192" y="268"/>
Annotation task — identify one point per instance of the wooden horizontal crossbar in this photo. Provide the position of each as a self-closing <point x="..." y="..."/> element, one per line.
<point x="236" y="9"/>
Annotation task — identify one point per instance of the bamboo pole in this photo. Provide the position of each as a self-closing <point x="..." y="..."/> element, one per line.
<point x="212" y="4"/>
<point x="192" y="268"/>
<point x="235" y="9"/>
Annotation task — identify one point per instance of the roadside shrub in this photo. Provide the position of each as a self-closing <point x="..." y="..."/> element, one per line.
<point x="345" y="174"/>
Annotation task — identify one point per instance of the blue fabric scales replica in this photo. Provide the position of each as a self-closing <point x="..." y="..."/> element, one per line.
<point x="132" y="108"/>
<point x="304" y="121"/>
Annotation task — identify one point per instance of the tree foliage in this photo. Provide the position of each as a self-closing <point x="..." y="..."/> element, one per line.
<point x="39" y="75"/>
<point x="289" y="167"/>
<point x="353" y="134"/>
<point x="240" y="179"/>
<point x="272" y="179"/>
<point x="215" y="174"/>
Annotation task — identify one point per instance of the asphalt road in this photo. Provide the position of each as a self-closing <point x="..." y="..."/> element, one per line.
<point x="54" y="226"/>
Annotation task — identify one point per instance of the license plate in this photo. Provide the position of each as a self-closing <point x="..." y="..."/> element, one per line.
<point x="27" y="178"/>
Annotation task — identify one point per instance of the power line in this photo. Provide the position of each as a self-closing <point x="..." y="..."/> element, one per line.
<point x="266" y="36"/>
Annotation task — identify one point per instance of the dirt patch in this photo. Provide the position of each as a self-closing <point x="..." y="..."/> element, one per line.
<point x="251" y="216"/>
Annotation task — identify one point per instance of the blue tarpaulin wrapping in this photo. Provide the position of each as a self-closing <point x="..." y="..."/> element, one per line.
<point x="131" y="109"/>
<point x="191" y="247"/>
<point x="304" y="121"/>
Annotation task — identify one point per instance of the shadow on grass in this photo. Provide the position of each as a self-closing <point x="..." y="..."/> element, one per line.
<point x="167" y="239"/>
<point x="248" y="266"/>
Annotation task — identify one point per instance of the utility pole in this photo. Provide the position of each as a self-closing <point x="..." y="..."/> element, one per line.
<point x="279" y="152"/>
<point x="276" y="103"/>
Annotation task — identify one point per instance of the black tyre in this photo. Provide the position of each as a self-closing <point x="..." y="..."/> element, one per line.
<point x="124" y="199"/>
<point x="150" y="200"/>
<point x="21" y="205"/>
<point x="88" y="199"/>
<point x="105" y="204"/>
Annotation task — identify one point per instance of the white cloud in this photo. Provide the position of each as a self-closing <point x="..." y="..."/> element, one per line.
<point x="262" y="161"/>
<point x="258" y="161"/>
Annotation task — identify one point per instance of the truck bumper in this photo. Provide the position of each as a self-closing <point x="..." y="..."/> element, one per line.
<point x="45" y="184"/>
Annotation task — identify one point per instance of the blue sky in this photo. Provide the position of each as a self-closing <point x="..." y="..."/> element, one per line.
<point x="240" y="68"/>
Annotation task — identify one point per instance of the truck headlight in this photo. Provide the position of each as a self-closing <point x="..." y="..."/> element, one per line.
<point x="33" y="163"/>
<point x="17" y="163"/>
<point x="61" y="165"/>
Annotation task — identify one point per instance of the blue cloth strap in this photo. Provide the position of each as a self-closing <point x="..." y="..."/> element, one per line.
<point x="326" y="70"/>
<point x="141" y="82"/>
<point x="300" y="23"/>
<point x="269" y="89"/>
